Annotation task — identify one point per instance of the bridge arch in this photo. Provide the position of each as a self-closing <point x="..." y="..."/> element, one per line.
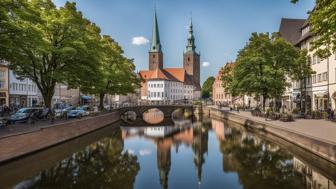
<point x="167" y="110"/>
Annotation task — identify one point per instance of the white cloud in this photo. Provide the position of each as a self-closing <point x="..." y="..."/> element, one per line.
<point x="206" y="64"/>
<point x="144" y="152"/>
<point x="139" y="40"/>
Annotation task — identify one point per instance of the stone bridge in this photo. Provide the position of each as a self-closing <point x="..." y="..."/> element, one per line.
<point x="166" y="109"/>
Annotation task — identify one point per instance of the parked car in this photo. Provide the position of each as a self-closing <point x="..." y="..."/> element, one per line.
<point x="78" y="113"/>
<point x="25" y="115"/>
<point x="85" y="108"/>
<point x="63" y="112"/>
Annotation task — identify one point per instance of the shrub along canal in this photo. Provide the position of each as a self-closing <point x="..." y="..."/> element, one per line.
<point x="206" y="154"/>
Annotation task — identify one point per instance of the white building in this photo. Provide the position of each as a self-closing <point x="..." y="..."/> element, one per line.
<point x="22" y="91"/>
<point x="162" y="85"/>
<point x="321" y="86"/>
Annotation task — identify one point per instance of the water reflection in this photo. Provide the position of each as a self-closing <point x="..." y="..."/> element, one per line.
<point x="153" y="116"/>
<point x="211" y="154"/>
<point x="100" y="164"/>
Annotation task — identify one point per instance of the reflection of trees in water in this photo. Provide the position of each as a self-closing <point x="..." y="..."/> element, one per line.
<point x="100" y="165"/>
<point x="259" y="164"/>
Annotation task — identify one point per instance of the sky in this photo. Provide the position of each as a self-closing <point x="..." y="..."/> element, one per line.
<point x="221" y="27"/>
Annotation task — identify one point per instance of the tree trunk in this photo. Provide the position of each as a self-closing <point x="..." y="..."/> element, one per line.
<point x="47" y="97"/>
<point x="101" y="101"/>
<point x="305" y="97"/>
<point x="264" y="102"/>
<point x="301" y="98"/>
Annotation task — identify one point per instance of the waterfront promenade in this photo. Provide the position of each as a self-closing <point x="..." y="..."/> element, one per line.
<point x="316" y="128"/>
<point x="316" y="136"/>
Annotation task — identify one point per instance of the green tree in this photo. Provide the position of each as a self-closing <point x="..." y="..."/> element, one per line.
<point x="207" y="87"/>
<point x="262" y="68"/>
<point x="116" y="74"/>
<point x="300" y="72"/>
<point x="61" y="46"/>
<point x="284" y="57"/>
<point x="10" y="12"/>
<point x="252" y="73"/>
<point x="322" y="20"/>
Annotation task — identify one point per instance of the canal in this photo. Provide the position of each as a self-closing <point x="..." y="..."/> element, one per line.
<point x="209" y="153"/>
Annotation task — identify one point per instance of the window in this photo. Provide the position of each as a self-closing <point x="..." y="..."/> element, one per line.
<point x="308" y="80"/>
<point x="318" y="59"/>
<point x="319" y="78"/>
<point x="314" y="59"/>
<point x="325" y="76"/>
<point x="314" y="78"/>
<point x="2" y="84"/>
<point x="2" y="74"/>
<point x="309" y="61"/>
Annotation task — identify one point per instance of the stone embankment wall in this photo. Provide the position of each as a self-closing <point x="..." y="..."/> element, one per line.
<point x="20" y="144"/>
<point x="317" y="146"/>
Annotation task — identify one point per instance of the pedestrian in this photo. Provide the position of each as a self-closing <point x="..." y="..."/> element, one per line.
<point x="332" y="115"/>
<point x="329" y="113"/>
<point x="267" y="114"/>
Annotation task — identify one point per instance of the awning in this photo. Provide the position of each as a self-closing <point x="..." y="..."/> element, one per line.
<point x="86" y="97"/>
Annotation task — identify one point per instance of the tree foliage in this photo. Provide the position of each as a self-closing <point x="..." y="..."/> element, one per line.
<point x="116" y="73"/>
<point x="207" y="87"/>
<point x="52" y="45"/>
<point x="322" y="20"/>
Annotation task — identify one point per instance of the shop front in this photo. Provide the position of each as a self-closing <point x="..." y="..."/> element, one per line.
<point x="321" y="101"/>
<point x="3" y="98"/>
<point x="18" y="101"/>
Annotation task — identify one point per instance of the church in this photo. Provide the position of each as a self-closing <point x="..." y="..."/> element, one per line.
<point x="171" y="84"/>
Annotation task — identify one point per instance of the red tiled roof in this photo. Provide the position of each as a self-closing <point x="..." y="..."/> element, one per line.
<point x="178" y="73"/>
<point x="155" y="74"/>
<point x="172" y="74"/>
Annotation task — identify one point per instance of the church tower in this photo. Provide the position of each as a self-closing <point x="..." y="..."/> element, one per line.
<point x="155" y="53"/>
<point x="191" y="59"/>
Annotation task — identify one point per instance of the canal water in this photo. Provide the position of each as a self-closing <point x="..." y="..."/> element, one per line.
<point x="189" y="154"/>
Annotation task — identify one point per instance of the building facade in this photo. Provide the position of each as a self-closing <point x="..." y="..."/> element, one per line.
<point x="219" y="95"/>
<point x="171" y="84"/>
<point x="4" y="83"/>
<point x="222" y="97"/>
<point x="22" y="91"/>
<point x="320" y="88"/>
<point x="63" y="94"/>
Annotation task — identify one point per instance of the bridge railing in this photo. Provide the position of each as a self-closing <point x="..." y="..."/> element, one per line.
<point x="151" y="103"/>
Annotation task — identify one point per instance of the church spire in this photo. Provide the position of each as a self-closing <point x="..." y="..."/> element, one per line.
<point x="191" y="39"/>
<point x="156" y="45"/>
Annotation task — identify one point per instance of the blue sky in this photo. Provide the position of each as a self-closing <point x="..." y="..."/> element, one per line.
<point x="221" y="27"/>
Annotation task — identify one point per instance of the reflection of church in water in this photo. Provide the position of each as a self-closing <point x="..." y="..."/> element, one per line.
<point x="166" y="139"/>
<point x="197" y="137"/>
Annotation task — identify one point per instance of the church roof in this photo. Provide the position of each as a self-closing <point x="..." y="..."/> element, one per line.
<point x="171" y="74"/>
<point x="156" y="44"/>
